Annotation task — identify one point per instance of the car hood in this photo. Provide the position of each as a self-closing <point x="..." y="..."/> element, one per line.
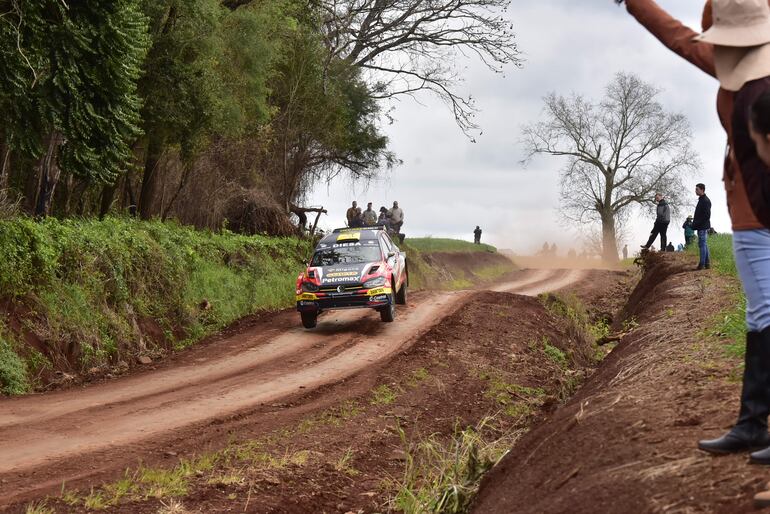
<point x="342" y="273"/>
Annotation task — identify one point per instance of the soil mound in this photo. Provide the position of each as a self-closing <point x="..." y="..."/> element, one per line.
<point x="626" y="442"/>
<point x="466" y="269"/>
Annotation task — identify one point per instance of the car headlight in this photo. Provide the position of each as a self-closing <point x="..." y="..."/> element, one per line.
<point x="309" y="287"/>
<point x="375" y="282"/>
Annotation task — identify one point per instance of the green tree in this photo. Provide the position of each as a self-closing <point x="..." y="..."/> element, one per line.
<point x="69" y="74"/>
<point x="206" y="76"/>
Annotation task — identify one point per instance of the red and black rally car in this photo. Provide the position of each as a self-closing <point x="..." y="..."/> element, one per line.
<point x="353" y="268"/>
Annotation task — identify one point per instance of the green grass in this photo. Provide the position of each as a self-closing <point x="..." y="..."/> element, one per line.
<point x="91" y="285"/>
<point x="729" y="325"/>
<point x="443" y="475"/>
<point x="437" y="244"/>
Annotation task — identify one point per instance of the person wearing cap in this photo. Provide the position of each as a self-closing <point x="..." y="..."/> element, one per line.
<point x="689" y="233"/>
<point x="741" y="38"/>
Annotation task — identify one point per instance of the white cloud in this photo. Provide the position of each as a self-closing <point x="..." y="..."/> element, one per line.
<point x="448" y="185"/>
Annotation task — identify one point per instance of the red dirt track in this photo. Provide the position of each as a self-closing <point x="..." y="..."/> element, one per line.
<point x="242" y="380"/>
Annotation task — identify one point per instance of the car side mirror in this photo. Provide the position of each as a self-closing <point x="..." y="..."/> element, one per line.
<point x="391" y="254"/>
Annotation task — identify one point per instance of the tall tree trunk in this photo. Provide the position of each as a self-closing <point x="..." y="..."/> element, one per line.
<point x="150" y="178"/>
<point x="108" y="194"/>
<point x="5" y="164"/>
<point x="609" y="241"/>
<point x="49" y="174"/>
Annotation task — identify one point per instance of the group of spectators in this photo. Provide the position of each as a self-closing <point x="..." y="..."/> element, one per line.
<point x="734" y="47"/>
<point x="392" y="219"/>
<point x="699" y="224"/>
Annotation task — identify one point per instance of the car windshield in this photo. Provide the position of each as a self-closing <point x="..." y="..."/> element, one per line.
<point x="346" y="255"/>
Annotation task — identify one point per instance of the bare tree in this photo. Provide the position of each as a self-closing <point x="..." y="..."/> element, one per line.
<point x="619" y="151"/>
<point x="412" y="45"/>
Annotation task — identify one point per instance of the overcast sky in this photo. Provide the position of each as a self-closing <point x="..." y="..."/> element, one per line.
<point x="447" y="185"/>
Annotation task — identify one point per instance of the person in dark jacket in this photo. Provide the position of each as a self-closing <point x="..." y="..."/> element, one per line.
<point x="477" y="235"/>
<point x="662" y="219"/>
<point x="689" y="232"/>
<point x="702" y="223"/>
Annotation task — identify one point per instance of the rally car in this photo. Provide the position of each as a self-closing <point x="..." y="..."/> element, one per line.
<point x="353" y="268"/>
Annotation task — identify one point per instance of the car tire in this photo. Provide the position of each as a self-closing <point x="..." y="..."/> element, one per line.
<point x="309" y="319"/>
<point x="401" y="296"/>
<point x="388" y="313"/>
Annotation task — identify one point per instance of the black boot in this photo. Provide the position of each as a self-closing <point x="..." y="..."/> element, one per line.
<point x="750" y="431"/>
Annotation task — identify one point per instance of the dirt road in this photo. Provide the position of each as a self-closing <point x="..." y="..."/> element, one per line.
<point x="46" y="436"/>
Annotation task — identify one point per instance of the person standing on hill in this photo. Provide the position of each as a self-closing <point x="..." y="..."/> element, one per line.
<point x="702" y="223"/>
<point x="689" y="232"/>
<point x="351" y="213"/>
<point x="370" y="216"/>
<point x="662" y="219"/>
<point x="383" y="218"/>
<point x="477" y="235"/>
<point x="749" y="234"/>
<point x="396" y="215"/>
<point x="740" y="36"/>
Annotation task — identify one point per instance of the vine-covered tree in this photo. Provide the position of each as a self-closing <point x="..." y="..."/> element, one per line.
<point x="69" y="73"/>
<point x="619" y="152"/>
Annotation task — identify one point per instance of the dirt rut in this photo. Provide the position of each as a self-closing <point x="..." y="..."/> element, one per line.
<point x="259" y="366"/>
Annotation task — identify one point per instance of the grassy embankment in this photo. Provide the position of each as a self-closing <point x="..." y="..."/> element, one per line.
<point x="430" y="267"/>
<point x="85" y="296"/>
<point x="88" y="295"/>
<point x="729" y="326"/>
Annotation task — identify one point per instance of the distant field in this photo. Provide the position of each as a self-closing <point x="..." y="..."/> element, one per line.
<point x="437" y="244"/>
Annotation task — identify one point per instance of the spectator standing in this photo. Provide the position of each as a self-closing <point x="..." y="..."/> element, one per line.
<point x="477" y="235"/>
<point x="383" y="218"/>
<point x="662" y="219"/>
<point x="358" y="219"/>
<point x="689" y="232"/>
<point x="396" y="215"/>
<point x="701" y="223"/>
<point x="741" y="38"/>
<point x="370" y="217"/>
<point x="351" y="213"/>
<point x="625" y="252"/>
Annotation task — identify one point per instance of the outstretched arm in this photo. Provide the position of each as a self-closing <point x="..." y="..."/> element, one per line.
<point x="672" y="33"/>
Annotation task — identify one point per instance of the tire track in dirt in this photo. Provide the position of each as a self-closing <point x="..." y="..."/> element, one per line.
<point x="255" y="367"/>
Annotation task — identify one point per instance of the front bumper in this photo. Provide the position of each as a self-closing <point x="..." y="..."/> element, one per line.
<point x="359" y="299"/>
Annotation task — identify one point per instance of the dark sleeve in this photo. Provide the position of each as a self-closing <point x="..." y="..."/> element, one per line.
<point x="756" y="176"/>
<point x="673" y="33"/>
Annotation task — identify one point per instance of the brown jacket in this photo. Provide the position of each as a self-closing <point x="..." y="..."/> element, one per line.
<point x="678" y="38"/>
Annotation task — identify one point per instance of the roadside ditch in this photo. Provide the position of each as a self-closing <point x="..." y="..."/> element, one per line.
<point x="418" y="437"/>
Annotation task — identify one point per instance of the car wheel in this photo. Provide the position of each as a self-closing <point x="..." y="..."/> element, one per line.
<point x="388" y="313"/>
<point x="402" y="294"/>
<point x="309" y="319"/>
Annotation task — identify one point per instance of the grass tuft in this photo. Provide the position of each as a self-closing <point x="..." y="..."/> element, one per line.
<point x="444" y="475"/>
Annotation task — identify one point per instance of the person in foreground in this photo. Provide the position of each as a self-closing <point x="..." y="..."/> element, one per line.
<point x="741" y="38"/>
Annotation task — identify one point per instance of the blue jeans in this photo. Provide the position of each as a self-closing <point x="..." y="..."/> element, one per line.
<point x="752" y="258"/>
<point x="703" y="247"/>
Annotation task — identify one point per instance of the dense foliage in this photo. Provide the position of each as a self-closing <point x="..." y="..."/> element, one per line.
<point x="86" y="294"/>
<point x="215" y="112"/>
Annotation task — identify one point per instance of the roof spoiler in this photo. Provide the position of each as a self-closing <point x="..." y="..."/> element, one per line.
<point x="356" y="229"/>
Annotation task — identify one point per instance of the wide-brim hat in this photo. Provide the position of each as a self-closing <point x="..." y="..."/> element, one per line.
<point x="739" y="23"/>
<point x="736" y="66"/>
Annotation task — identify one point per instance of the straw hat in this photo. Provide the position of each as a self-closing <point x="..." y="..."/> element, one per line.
<point x="738" y="23"/>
